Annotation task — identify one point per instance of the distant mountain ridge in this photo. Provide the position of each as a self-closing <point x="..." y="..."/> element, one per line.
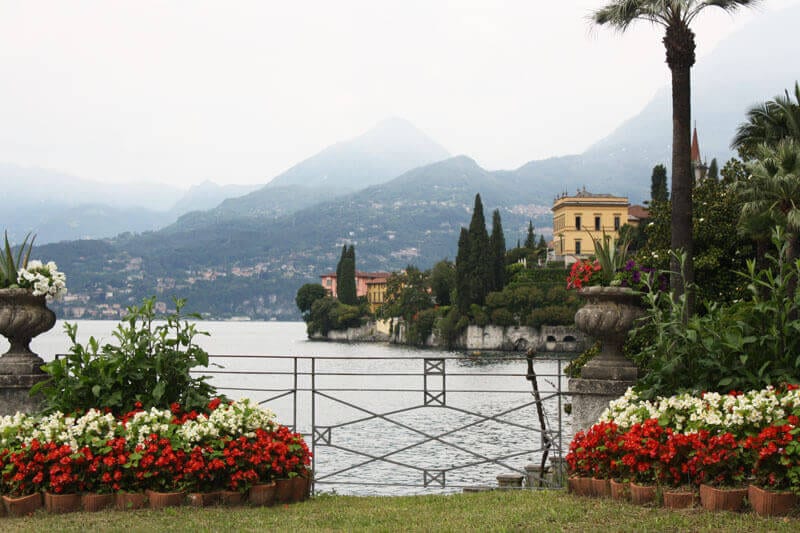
<point x="390" y="148"/>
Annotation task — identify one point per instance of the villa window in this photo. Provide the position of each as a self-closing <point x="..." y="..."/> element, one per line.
<point x="597" y="223"/>
<point x="577" y="222"/>
<point x="577" y="247"/>
<point x="616" y="222"/>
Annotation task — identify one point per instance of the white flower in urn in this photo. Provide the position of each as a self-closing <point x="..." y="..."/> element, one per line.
<point x="18" y="271"/>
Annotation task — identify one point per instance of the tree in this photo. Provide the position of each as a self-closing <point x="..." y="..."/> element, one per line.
<point x="768" y="123"/>
<point x="307" y="295"/>
<point x="339" y="267"/>
<point x="497" y="244"/>
<point x="713" y="170"/>
<point x="443" y="281"/>
<point x="463" y="269"/>
<point x="773" y="188"/>
<point x="675" y="16"/>
<point x="346" y="283"/>
<point x="480" y="257"/>
<point x="406" y="294"/>
<point x="658" y="184"/>
<point x="530" y="240"/>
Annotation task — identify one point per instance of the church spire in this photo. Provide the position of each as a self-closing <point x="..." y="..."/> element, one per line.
<point x="695" y="147"/>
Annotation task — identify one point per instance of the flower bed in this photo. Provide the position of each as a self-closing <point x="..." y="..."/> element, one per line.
<point x="230" y="446"/>
<point x="715" y="440"/>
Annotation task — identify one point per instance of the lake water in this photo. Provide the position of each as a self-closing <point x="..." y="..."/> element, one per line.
<point x="382" y="425"/>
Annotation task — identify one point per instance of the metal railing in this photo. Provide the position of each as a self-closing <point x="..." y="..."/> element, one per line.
<point x="402" y="425"/>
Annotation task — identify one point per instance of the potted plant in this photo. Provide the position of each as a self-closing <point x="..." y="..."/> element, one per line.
<point x="722" y="468"/>
<point x="580" y="467"/>
<point x="24" y="287"/>
<point x="679" y="490"/>
<point x="775" y="454"/>
<point x="642" y="445"/>
<point x="23" y="476"/>
<point x="610" y="310"/>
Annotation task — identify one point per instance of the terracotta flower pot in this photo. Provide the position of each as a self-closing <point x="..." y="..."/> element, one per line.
<point x="203" y="499"/>
<point x="129" y="501"/>
<point x="601" y="488"/>
<point x="159" y="500"/>
<point x="642" y="494"/>
<point x="716" y="499"/>
<point x="92" y="501"/>
<point x="62" y="503"/>
<point x="284" y="490"/>
<point x="679" y="499"/>
<point x="300" y="485"/>
<point x="262" y="494"/>
<point x="23" y="505"/>
<point x="771" y="503"/>
<point x="620" y="490"/>
<point x="231" y="498"/>
<point x="580" y="486"/>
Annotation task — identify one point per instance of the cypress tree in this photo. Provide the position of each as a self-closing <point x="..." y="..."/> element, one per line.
<point x="462" y="272"/>
<point x="713" y="170"/>
<point x="347" y="283"/>
<point x="530" y="240"/>
<point x="497" y="242"/>
<point x="339" y="269"/>
<point x="658" y="184"/>
<point x="480" y="255"/>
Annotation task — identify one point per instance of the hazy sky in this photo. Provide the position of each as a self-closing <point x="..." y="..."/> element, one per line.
<point x="237" y="91"/>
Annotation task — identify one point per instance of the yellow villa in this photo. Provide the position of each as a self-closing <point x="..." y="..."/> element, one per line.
<point x="581" y="219"/>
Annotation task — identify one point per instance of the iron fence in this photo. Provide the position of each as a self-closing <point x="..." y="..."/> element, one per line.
<point x="403" y="425"/>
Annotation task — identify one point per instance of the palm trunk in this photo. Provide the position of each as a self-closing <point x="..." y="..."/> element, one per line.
<point x="680" y="46"/>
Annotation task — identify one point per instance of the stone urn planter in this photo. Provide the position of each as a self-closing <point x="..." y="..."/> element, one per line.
<point x="23" y="316"/>
<point x="608" y="315"/>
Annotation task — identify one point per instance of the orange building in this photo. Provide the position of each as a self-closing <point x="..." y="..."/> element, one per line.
<point x="369" y="284"/>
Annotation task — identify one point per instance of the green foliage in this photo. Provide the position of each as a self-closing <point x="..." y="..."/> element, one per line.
<point x="450" y="325"/>
<point x="329" y="314"/>
<point x="718" y="252"/>
<point x="9" y="264"/>
<point x="346" y="281"/>
<point x="443" y="282"/>
<point x="768" y="124"/>
<point x="611" y="256"/>
<point x="713" y="170"/>
<point x="479" y="315"/>
<point x="573" y="369"/>
<point x="474" y="262"/>
<point x="658" y="185"/>
<point x="552" y="315"/>
<point x="421" y="327"/>
<point x="497" y="248"/>
<point x="307" y="295"/>
<point x="150" y="363"/>
<point x="745" y="345"/>
<point x="530" y="238"/>
<point x="407" y="293"/>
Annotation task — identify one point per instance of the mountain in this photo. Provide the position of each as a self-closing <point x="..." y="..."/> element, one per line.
<point x="254" y="265"/>
<point x="208" y="195"/>
<point x="392" y="147"/>
<point x="389" y="149"/>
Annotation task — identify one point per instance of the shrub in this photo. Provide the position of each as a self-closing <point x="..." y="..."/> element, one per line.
<point x="150" y="366"/>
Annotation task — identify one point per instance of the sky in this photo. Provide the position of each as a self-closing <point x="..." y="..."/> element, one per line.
<point x="237" y="91"/>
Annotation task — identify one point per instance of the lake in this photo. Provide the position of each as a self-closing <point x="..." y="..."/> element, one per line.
<point x="387" y="419"/>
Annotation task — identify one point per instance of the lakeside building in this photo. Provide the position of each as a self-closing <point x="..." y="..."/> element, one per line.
<point x="369" y="284"/>
<point x="583" y="218"/>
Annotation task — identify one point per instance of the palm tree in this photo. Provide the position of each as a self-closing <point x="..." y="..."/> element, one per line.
<point x="773" y="190"/>
<point x="675" y="16"/>
<point x="769" y="122"/>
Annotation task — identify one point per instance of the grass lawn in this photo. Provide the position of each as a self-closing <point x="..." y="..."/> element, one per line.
<point x="490" y="511"/>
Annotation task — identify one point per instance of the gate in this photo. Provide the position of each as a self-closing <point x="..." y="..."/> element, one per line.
<point x="411" y="425"/>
